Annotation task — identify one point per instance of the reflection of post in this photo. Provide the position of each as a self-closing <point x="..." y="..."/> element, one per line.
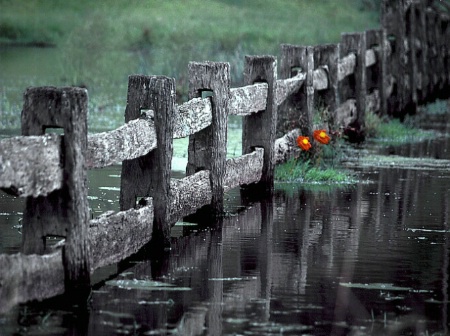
<point x="445" y="263"/>
<point x="215" y="288"/>
<point x="346" y="303"/>
<point x="304" y="239"/>
<point x="265" y="254"/>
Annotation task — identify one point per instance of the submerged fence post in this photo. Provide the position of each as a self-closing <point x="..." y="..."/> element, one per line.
<point x="258" y="129"/>
<point x="298" y="108"/>
<point x="208" y="148"/>
<point x="149" y="175"/>
<point x="63" y="212"/>
<point x="354" y="86"/>
<point x="326" y="57"/>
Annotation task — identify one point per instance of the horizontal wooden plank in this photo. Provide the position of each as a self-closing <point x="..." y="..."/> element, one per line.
<point x="192" y="116"/>
<point x="286" y="147"/>
<point x="112" y="238"/>
<point x="346" y="66"/>
<point x="320" y="79"/>
<point x="116" y="236"/>
<point x="245" y="169"/>
<point x="132" y="140"/>
<point x="248" y="99"/>
<point x="29" y="277"/>
<point x="286" y="87"/>
<point x="189" y="194"/>
<point x="373" y="101"/>
<point x="31" y="165"/>
<point x="346" y="113"/>
<point x="371" y="57"/>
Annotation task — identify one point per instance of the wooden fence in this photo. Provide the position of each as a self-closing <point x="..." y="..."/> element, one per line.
<point x="389" y="71"/>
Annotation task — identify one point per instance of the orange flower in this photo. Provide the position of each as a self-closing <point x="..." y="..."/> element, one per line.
<point x="321" y="136"/>
<point x="303" y="143"/>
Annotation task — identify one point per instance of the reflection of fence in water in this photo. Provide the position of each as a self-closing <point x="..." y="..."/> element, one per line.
<point x="327" y="245"/>
<point x="390" y="70"/>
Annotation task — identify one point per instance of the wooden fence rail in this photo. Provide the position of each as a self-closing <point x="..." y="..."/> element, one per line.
<point x="388" y="71"/>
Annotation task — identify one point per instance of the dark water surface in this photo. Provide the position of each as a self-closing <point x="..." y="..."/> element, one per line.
<point x="367" y="259"/>
<point x="374" y="257"/>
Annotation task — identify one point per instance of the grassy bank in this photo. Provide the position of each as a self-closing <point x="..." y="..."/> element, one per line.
<point x="98" y="44"/>
<point x="324" y="165"/>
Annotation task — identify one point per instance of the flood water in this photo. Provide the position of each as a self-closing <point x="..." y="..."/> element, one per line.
<point x="367" y="259"/>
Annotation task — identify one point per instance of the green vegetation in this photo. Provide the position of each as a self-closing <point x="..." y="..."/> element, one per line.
<point x="303" y="171"/>
<point x="394" y="131"/>
<point x="320" y="164"/>
<point x="99" y="43"/>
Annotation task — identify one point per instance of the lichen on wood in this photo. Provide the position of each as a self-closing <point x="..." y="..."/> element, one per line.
<point x="287" y="87"/>
<point x="132" y="140"/>
<point x="189" y="194"/>
<point x="320" y="79"/>
<point x="346" y="66"/>
<point x="192" y="116"/>
<point x="286" y="147"/>
<point x="116" y="236"/>
<point x="248" y="99"/>
<point x="29" y="277"/>
<point x="245" y="169"/>
<point x="30" y="166"/>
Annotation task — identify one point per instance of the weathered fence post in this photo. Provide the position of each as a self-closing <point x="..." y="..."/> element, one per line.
<point x="149" y="175"/>
<point x="411" y="52"/>
<point x="444" y="37"/>
<point x="63" y="212"/>
<point x="298" y="108"/>
<point x="326" y="57"/>
<point x="432" y="54"/>
<point x="376" y="74"/>
<point x="258" y="129"/>
<point x="421" y="46"/>
<point x="393" y="19"/>
<point x="208" y="148"/>
<point x="354" y="86"/>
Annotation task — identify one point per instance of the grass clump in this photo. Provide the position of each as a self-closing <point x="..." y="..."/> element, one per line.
<point x="296" y="170"/>
<point x="394" y="131"/>
<point x="317" y="162"/>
